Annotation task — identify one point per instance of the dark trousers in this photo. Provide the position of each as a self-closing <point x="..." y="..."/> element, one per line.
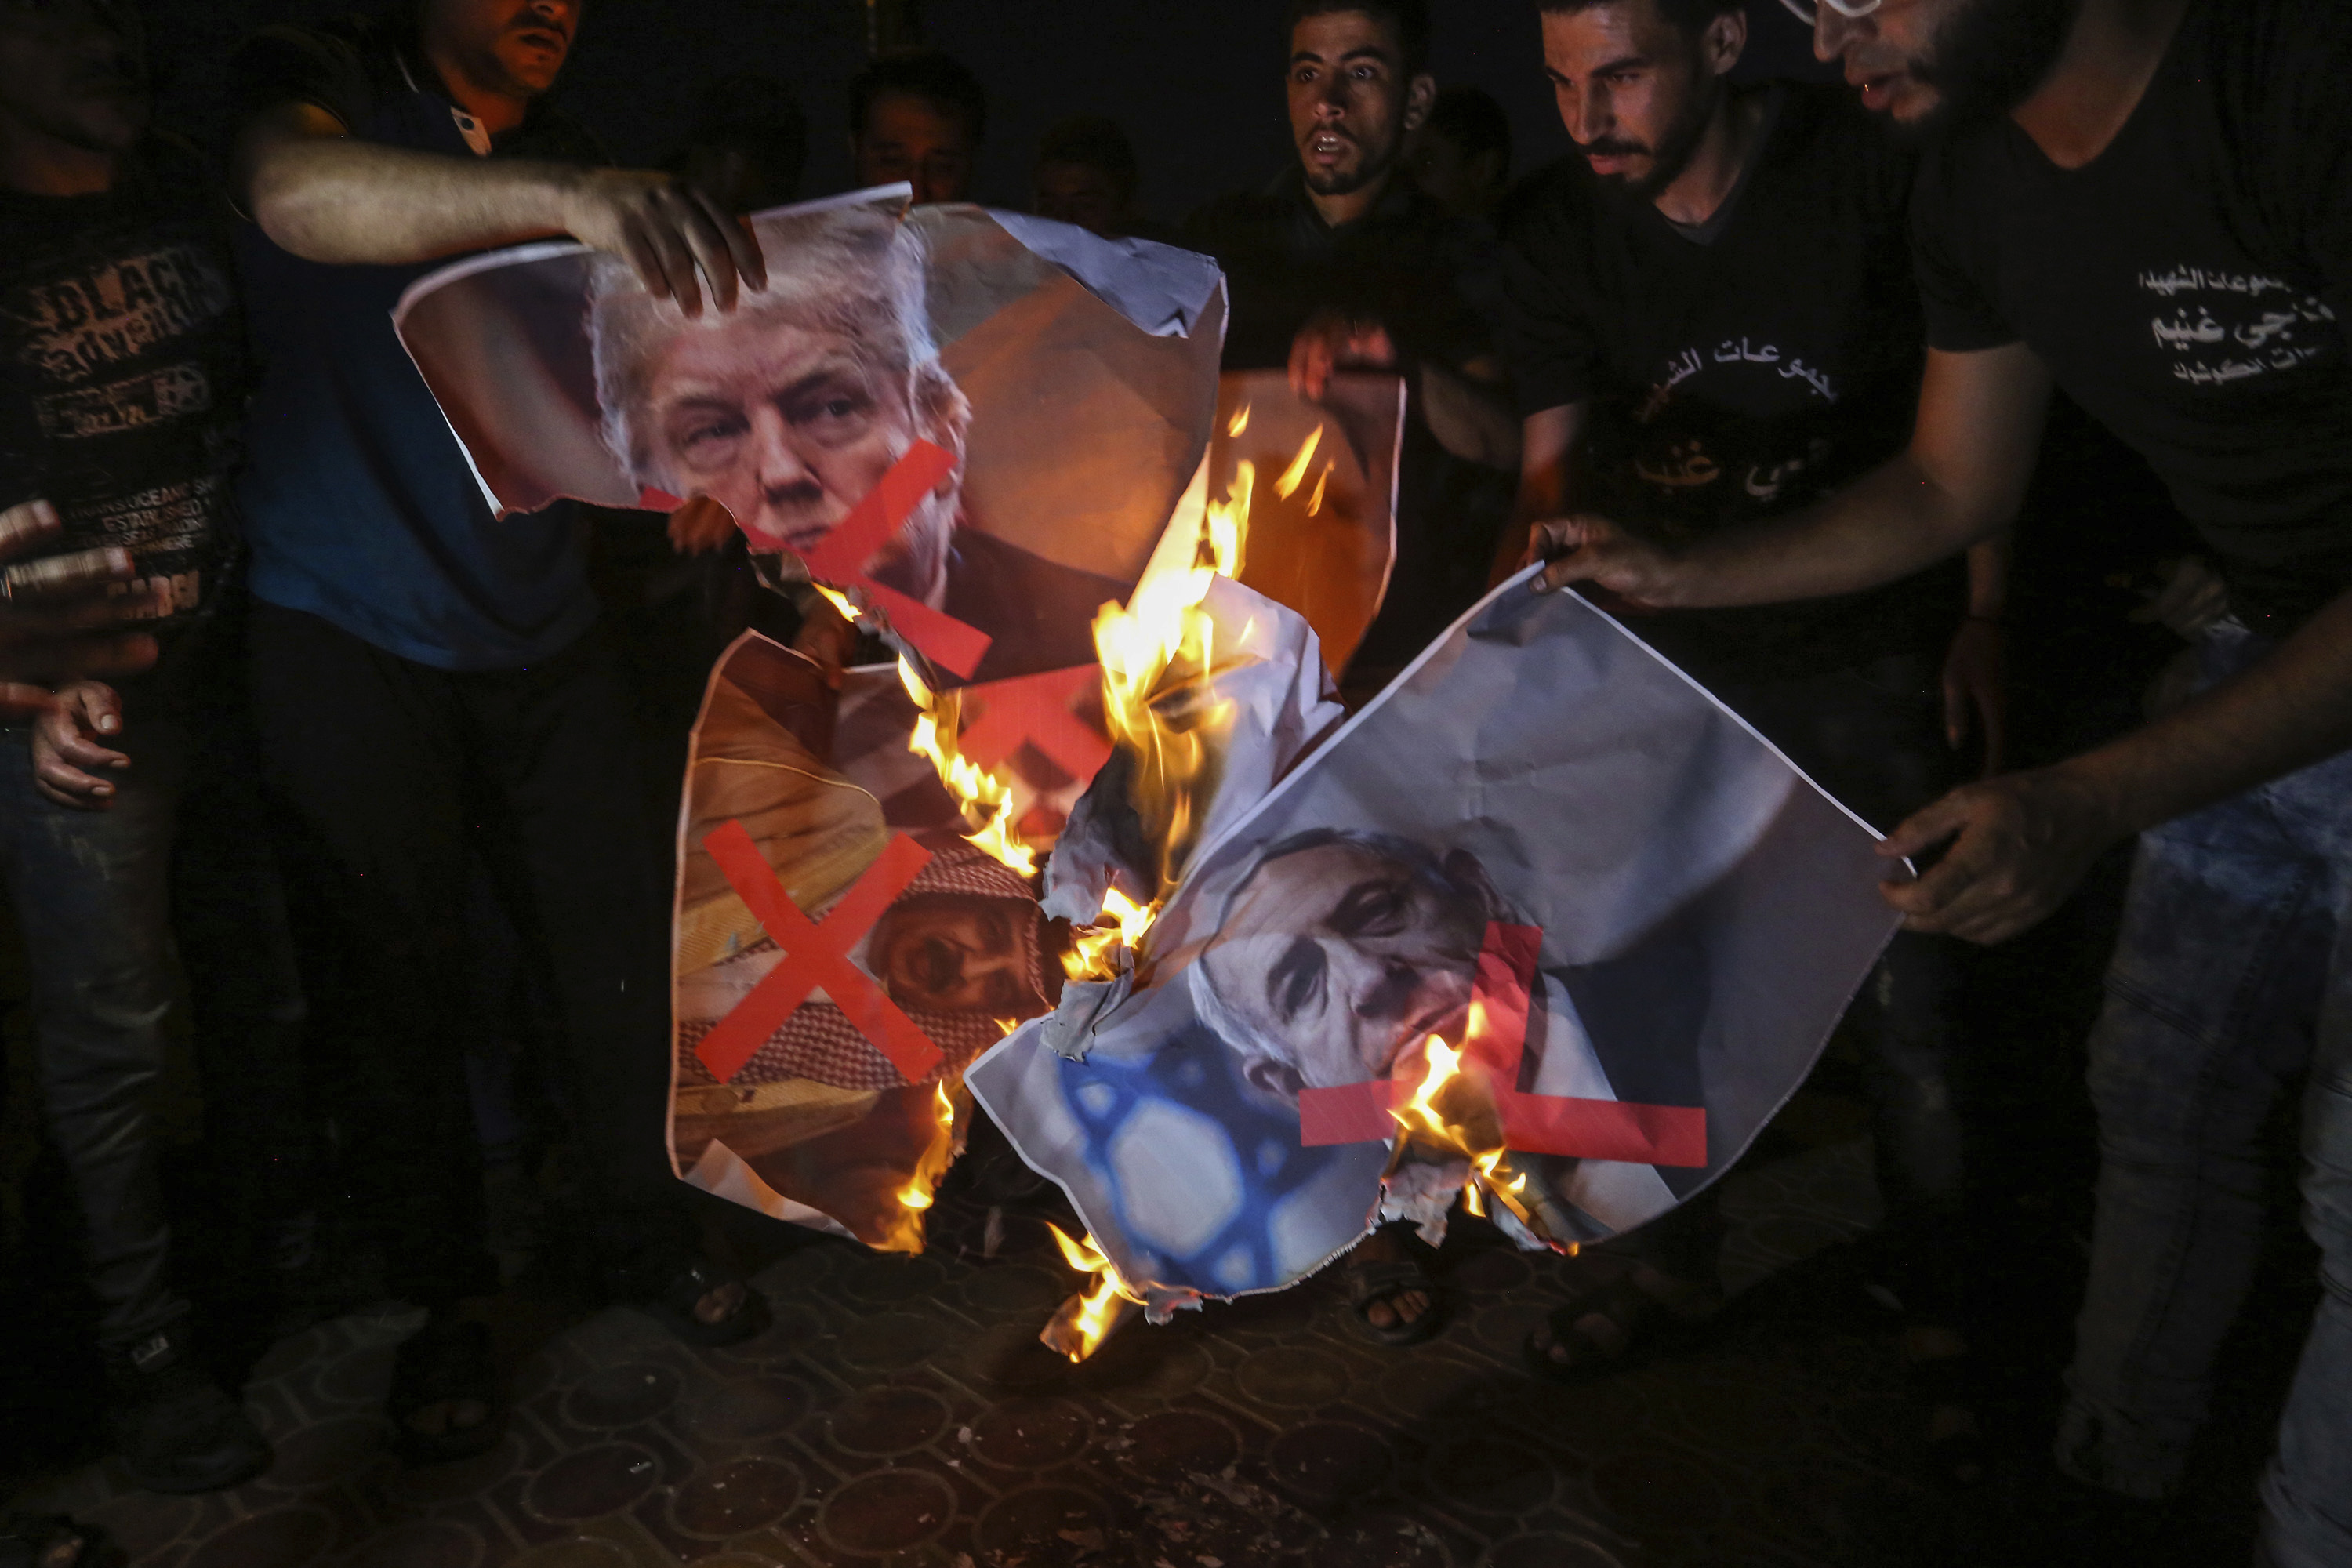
<point x="96" y="893"/>
<point x="399" y="779"/>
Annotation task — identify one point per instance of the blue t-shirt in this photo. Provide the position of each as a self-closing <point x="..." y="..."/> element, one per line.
<point x="360" y="505"/>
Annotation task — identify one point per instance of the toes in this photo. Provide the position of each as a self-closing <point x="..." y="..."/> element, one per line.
<point x="717" y="1306"/>
<point x="1380" y="1315"/>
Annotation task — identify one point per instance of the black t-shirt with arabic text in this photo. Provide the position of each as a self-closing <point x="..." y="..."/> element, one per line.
<point x="1738" y="373"/>
<point x="2190" y="287"/>
<point x="124" y="369"/>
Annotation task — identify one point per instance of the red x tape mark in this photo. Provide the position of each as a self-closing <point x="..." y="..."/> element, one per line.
<point x="1532" y="1123"/>
<point x="1037" y="709"/>
<point x="815" y="955"/>
<point x="840" y="556"/>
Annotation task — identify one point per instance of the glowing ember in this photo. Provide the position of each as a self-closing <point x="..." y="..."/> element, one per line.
<point x="1085" y="1319"/>
<point x="984" y="797"/>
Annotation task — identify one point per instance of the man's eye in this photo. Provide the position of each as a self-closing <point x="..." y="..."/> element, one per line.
<point x="705" y="437"/>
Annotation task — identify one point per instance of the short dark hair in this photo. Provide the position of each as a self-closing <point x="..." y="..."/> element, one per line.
<point x="1408" y="19"/>
<point x="1471" y="119"/>
<point x="1684" y="15"/>
<point x="938" y="79"/>
<point x="1096" y="141"/>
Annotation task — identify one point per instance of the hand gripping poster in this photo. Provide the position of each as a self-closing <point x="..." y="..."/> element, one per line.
<point x="1543" y="904"/>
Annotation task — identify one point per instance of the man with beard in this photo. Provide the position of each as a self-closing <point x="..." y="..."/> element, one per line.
<point x="1341" y="264"/>
<point x="2148" y="202"/>
<point x="425" y="677"/>
<point x="1711" y="319"/>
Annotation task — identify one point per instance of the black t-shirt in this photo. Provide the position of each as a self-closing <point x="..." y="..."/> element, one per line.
<point x="1741" y="373"/>
<point x="125" y="368"/>
<point x="1411" y="265"/>
<point x="2190" y="287"/>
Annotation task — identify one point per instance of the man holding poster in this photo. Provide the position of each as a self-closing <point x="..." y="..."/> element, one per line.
<point x="424" y="679"/>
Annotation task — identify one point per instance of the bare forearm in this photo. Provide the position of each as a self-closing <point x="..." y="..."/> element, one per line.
<point x="1471" y="418"/>
<point x="333" y="199"/>
<point x="1888" y="524"/>
<point x="2287" y="712"/>
<point x="1989" y="577"/>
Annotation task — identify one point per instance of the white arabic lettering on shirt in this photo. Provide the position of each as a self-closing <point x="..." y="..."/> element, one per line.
<point x="1691" y="361"/>
<point x="2272" y="335"/>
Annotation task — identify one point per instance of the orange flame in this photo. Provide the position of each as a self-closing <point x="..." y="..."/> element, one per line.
<point x="1085" y="1319"/>
<point x="1239" y="422"/>
<point x="1453" y="1112"/>
<point x="983" y="795"/>
<point x="1295" y="475"/>
<point x="905" y="1231"/>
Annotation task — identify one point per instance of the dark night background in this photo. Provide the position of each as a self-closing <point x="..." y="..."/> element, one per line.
<point x="1197" y="86"/>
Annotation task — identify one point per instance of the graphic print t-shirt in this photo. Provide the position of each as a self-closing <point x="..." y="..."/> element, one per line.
<point x="2190" y="287"/>
<point x="1740" y="372"/>
<point x="124" y="368"/>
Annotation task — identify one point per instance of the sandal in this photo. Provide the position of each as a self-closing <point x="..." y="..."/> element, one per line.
<point x="441" y="1363"/>
<point x="673" y="1307"/>
<point x="1372" y="1282"/>
<point x="1646" y="1321"/>
<point x="54" y="1541"/>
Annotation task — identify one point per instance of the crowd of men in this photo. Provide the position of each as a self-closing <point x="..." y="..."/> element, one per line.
<point x="1766" y="366"/>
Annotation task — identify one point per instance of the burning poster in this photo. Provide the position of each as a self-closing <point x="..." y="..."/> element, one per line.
<point x="975" y="424"/>
<point x="833" y="973"/>
<point x="1321" y="500"/>
<point x="1543" y="903"/>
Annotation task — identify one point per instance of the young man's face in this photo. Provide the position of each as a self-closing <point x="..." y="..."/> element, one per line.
<point x="1079" y="193"/>
<point x="75" y="70"/>
<point x="1633" y="90"/>
<point x="1344" y="958"/>
<point x="1351" y="104"/>
<point x="518" y="45"/>
<point x="1915" y="59"/>
<point x="912" y="139"/>
<point x="786" y="425"/>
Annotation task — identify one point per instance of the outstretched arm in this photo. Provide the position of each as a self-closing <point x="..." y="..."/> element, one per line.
<point x="1959" y="481"/>
<point x="326" y="196"/>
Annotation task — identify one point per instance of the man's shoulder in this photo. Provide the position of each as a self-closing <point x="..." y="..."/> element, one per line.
<point x="1238" y="218"/>
<point x="339" y="65"/>
<point x="1554" y="202"/>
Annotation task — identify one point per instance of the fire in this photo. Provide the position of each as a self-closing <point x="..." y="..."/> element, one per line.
<point x="983" y="794"/>
<point x="1296" y="475"/>
<point x="1453" y="1111"/>
<point x="1085" y="1319"/>
<point x="905" y="1232"/>
<point x="1160" y="704"/>
<point x="1239" y="422"/>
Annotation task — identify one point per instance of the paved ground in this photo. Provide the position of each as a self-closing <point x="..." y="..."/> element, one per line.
<point x="901" y="1413"/>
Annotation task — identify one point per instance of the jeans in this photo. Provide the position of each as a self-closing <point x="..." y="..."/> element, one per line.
<point x="2231" y="981"/>
<point x="398" y="780"/>
<point x="94" y="898"/>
